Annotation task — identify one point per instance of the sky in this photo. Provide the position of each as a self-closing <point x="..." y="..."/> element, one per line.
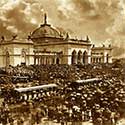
<point x="102" y="20"/>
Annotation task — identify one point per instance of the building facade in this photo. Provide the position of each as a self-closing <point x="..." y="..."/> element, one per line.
<point x="46" y="45"/>
<point x="15" y="51"/>
<point x="101" y="54"/>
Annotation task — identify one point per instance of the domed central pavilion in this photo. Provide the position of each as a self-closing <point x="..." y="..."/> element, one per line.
<point x="53" y="48"/>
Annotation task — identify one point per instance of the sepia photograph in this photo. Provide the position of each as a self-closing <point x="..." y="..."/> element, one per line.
<point x="62" y="62"/>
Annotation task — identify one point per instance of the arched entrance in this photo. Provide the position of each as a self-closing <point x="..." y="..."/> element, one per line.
<point x="107" y="58"/>
<point x="85" y="58"/>
<point x="57" y="61"/>
<point x="23" y="57"/>
<point x="74" y="57"/>
<point x="79" y="61"/>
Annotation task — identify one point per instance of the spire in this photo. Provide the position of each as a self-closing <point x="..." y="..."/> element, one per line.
<point x="45" y="18"/>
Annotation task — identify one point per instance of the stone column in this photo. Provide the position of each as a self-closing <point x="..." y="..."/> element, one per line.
<point x="100" y="59"/>
<point x="89" y="59"/>
<point x="105" y="57"/>
<point x="89" y="55"/>
<point x="86" y="59"/>
<point x="41" y="60"/>
<point x="67" y="60"/>
<point x="110" y="59"/>
<point x="55" y="60"/>
<point x="104" y="60"/>
<point x="49" y="60"/>
<point x="46" y="59"/>
<point x="38" y="60"/>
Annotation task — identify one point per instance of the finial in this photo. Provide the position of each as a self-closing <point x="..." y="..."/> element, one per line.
<point x="110" y="45"/>
<point x="45" y="18"/>
<point x="14" y="37"/>
<point x="87" y="38"/>
<point x="29" y="37"/>
<point x="2" y="37"/>
<point x="103" y="45"/>
<point x="67" y="35"/>
<point x="61" y="35"/>
<point x="93" y="46"/>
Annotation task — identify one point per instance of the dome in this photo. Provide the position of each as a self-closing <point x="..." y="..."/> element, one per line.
<point x="45" y="30"/>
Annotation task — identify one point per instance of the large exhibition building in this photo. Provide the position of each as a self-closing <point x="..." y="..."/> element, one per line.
<point x="46" y="45"/>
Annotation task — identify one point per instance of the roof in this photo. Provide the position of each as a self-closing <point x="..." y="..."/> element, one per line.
<point x="35" y="88"/>
<point x="88" y="80"/>
<point x="45" y="30"/>
<point x="102" y="48"/>
<point x="16" y="41"/>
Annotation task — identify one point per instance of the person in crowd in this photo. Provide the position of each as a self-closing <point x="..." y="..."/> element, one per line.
<point x="70" y="102"/>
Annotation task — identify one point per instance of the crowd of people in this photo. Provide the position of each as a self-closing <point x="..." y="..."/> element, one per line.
<point x="102" y="102"/>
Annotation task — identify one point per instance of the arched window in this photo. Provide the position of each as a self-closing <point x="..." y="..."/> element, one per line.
<point x="74" y="57"/>
<point x="93" y="60"/>
<point x="100" y="60"/>
<point x="23" y="57"/>
<point x="85" y="57"/>
<point x="79" y="57"/>
<point x="53" y="60"/>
